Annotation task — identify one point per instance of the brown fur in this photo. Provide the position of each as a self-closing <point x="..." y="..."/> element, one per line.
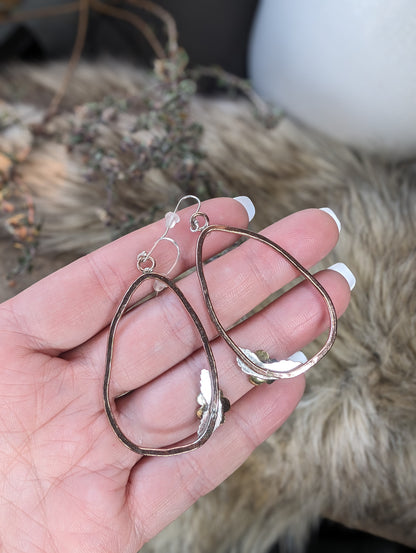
<point x="348" y="452"/>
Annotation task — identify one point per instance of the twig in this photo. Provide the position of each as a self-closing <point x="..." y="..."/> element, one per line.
<point x="49" y="11"/>
<point x="101" y="7"/>
<point x="75" y="56"/>
<point x="264" y="111"/>
<point x="135" y="20"/>
<point x="165" y="17"/>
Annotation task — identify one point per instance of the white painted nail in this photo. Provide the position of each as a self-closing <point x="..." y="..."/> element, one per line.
<point x="248" y="205"/>
<point x="332" y="214"/>
<point x="343" y="270"/>
<point x="299" y="357"/>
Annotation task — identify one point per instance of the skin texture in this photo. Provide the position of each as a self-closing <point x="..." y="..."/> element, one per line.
<point x="67" y="483"/>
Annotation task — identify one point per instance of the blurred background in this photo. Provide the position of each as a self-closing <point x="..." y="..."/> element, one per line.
<point x="213" y="32"/>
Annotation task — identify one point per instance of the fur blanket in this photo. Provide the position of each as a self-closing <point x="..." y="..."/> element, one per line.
<point x="348" y="452"/>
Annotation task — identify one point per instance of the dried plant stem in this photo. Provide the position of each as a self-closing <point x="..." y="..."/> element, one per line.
<point x="135" y="20"/>
<point x="49" y="11"/>
<point x="165" y="17"/>
<point x="263" y="109"/>
<point x="83" y="6"/>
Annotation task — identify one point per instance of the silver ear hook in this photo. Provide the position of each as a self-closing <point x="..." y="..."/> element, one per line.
<point x="188" y="197"/>
<point x="194" y="221"/>
<point x="146" y="263"/>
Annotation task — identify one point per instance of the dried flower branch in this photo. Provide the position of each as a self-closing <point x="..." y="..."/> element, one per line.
<point x="266" y="113"/>
<point x="166" y="18"/>
<point x="11" y="16"/>
<point x="162" y="135"/>
<point x="74" y="59"/>
<point x="17" y="214"/>
<point x="134" y="19"/>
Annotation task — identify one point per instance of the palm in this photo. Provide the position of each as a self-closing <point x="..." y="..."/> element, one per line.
<point x="55" y="454"/>
<point x="67" y="483"/>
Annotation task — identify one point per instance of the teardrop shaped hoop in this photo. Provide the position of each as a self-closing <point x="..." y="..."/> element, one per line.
<point x="207" y="428"/>
<point x="260" y="369"/>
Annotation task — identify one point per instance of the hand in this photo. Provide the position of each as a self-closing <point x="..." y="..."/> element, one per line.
<point x="67" y="483"/>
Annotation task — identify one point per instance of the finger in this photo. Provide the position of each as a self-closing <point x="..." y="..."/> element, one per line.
<point x="163" y="412"/>
<point x="159" y="334"/>
<point x="70" y="306"/>
<point x="171" y="485"/>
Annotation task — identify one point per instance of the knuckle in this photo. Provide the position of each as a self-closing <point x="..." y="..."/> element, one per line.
<point x="195" y="480"/>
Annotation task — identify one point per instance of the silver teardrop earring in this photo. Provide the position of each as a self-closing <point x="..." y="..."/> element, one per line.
<point x="210" y="400"/>
<point x="258" y="365"/>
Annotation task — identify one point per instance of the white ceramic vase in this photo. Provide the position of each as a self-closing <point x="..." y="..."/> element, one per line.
<point x="344" y="67"/>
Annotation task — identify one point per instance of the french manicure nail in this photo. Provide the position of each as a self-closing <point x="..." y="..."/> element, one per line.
<point x="248" y="205"/>
<point x="332" y="214"/>
<point x="343" y="270"/>
<point x="299" y="357"/>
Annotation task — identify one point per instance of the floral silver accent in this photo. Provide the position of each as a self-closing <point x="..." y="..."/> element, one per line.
<point x="262" y="359"/>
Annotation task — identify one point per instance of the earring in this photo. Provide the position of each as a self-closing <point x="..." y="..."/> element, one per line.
<point x="258" y="365"/>
<point x="211" y="402"/>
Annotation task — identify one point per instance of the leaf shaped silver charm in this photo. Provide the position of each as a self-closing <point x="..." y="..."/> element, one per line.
<point x="204" y="400"/>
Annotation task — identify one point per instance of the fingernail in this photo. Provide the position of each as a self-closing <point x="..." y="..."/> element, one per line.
<point x="248" y="206"/>
<point x="343" y="270"/>
<point x="332" y="214"/>
<point x="299" y="357"/>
